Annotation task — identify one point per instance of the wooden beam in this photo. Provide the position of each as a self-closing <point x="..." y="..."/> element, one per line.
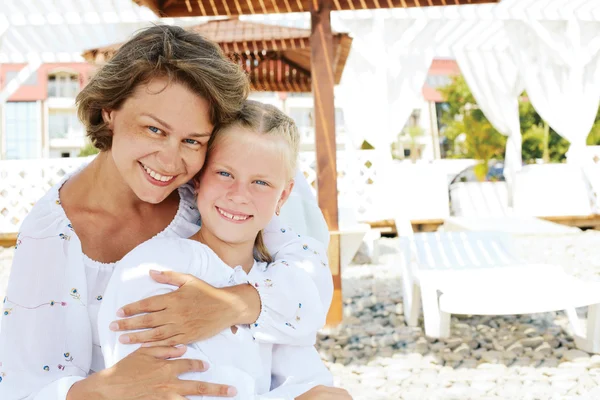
<point x="336" y="311"/>
<point x="152" y="5"/>
<point x="321" y="60"/>
<point x="8" y="239"/>
<point x="179" y="8"/>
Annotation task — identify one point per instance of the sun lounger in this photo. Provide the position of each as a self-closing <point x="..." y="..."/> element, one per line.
<point x="479" y="273"/>
<point x="552" y="190"/>
<point x="514" y="224"/>
<point x="353" y="234"/>
<point x="479" y="199"/>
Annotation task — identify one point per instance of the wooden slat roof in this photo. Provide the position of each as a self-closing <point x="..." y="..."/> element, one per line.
<point x="186" y="8"/>
<point x="276" y="58"/>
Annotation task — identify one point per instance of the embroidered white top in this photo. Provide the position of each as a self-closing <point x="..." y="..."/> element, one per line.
<point x="46" y="341"/>
<point x="234" y="358"/>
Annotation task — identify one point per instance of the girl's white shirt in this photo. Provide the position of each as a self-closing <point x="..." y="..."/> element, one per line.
<point x="49" y="333"/>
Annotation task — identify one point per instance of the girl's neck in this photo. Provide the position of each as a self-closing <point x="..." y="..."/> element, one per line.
<point x="232" y="254"/>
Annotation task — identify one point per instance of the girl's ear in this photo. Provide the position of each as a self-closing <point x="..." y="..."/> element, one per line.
<point x="285" y="195"/>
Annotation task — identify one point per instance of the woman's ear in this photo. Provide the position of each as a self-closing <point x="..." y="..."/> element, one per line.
<point x="285" y="194"/>
<point x="109" y="117"/>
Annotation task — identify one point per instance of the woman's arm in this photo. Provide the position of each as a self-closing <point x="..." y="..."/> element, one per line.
<point x="39" y="357"/>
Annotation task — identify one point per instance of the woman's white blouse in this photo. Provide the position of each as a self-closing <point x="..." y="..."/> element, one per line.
<point x="49" y="335"/>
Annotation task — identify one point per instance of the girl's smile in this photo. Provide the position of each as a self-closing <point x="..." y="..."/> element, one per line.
<point x="233" y="216"/>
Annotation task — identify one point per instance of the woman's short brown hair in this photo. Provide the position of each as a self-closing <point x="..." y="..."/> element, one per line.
<point x="162" y="51"/>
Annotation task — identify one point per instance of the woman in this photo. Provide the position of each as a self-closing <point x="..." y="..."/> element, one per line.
<point x="151" y="111"/>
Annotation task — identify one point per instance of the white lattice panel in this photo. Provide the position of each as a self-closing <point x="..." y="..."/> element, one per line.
<point x="22" y="183"/>
<point x="357" y="175"/>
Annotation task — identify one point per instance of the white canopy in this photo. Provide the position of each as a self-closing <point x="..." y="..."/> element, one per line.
<point x="35" y="32"/>
<point x="550" y="48"/>
<point x="477" y="36"/>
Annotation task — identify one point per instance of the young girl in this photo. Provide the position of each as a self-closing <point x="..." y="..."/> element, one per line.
<point x="150" y="111"/>
<point x="246" y="179"/>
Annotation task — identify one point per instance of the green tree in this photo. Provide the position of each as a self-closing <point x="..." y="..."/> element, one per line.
<point x="88" y="150"/>
<point x="464" y="119"/>
<point x="594" y="138"/>
<point x="411" y="134"/>
<point x="539" y="140"/>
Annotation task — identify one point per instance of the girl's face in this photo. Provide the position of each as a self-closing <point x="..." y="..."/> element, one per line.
<point x="245" y="180"/>
<point x="159" y="138"/>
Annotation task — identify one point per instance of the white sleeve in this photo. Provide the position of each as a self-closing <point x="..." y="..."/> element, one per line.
<point x="296" y="370"/>
<point x="302" y="211"/>
<point x="131" y="282"/>
<point x="295" y="291"/>
<point x="45" y="342"/>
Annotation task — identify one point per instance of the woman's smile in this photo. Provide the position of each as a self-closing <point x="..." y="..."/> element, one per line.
<point x="155" y="178"/>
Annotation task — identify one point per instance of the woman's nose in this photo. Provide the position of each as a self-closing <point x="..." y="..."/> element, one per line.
<point x="169" y="158"/>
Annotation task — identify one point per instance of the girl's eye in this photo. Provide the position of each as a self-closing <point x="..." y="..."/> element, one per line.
<point x="154" y="129"/>
<point x="262" y="183"/>
<point x="225" y="174"/>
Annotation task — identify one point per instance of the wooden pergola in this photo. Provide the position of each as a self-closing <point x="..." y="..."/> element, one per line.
<point x="276" y="58"/>
<point x="322" y="63"/>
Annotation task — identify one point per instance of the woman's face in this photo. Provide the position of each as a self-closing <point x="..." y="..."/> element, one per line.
<point x="244" y="181"/>
<point x="159" y="138"/>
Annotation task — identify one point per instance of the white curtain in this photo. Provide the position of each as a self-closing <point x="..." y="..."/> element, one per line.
<point x="560" y="65"/>
<point x="384" y="76"/>
<point x="494" y="80"/>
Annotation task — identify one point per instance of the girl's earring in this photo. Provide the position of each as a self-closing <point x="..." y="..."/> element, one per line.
<point x="277" y="212"/>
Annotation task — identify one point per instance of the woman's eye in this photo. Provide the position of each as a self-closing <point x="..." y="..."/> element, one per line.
<point x="154" y="129"/>
<point x="191" y="141"/>
<point x="223" y="173"/>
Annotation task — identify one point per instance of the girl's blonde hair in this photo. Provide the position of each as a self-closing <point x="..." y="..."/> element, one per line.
<point x="162" y="51"/>
<point x="269" y="120"/>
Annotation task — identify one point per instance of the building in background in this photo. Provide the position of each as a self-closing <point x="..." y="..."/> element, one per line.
<point x="40" y="119"/>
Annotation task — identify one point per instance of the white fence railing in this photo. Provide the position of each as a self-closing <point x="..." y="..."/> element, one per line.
<point x="371" y="187"/>
<point x="22" y="183"/>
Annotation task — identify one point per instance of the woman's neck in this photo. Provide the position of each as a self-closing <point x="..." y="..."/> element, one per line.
<point x="100" y="186"/>
<point x="232" y="254"/>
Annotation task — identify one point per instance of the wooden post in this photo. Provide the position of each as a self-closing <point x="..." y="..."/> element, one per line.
<point x="321" y="42"/>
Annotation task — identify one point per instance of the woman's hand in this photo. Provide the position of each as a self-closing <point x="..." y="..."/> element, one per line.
<point x="147" y="373"/>
<point x="325" y="393"/>
<point x="194" y="312"/>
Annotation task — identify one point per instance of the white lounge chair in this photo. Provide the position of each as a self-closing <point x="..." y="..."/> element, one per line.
<point x="553" y="190"/>
<point x="479" y="199"/>
<point x="353" y="234"/>
<point x="479" y="273"/>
